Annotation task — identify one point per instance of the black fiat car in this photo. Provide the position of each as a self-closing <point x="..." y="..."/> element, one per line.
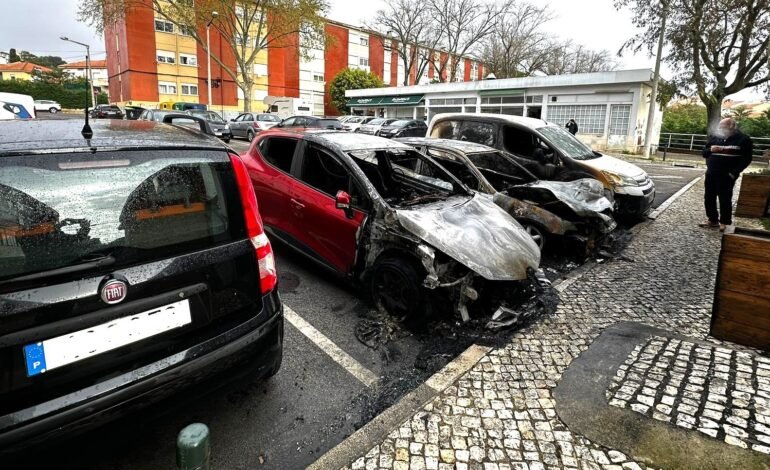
<point x="132" y="265"/>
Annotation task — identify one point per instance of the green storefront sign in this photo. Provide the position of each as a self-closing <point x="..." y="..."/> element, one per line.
<point x="382" y="101"/>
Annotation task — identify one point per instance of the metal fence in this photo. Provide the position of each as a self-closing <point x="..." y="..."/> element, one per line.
<point x="694" y="143"/>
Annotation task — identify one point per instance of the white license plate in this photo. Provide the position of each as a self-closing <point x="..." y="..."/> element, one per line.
<point x="56" y="352"/>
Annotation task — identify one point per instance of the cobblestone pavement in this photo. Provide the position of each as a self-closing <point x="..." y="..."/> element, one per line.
<point x="720" y="392"/>
<point x="500" y="415"/>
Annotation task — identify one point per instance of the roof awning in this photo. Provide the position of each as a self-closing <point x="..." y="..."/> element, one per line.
<point x="378" y="101"/>
<point x="508" y="92"/>
<point x="364" y="102"/>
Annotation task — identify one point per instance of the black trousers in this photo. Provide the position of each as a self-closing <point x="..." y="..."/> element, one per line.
<point x="719" y="186"/>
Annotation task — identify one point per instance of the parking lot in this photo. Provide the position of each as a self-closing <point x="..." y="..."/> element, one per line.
<point x="330" y="384"/>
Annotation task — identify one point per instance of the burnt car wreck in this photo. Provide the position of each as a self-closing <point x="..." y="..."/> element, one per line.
<point x="568" y="211"/>
<point x="425" y="243"/>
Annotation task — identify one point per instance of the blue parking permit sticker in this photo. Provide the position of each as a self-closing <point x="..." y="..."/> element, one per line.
<point x="35" y="357"/>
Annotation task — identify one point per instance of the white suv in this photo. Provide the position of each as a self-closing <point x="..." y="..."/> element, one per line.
<point x="47" y="105"/>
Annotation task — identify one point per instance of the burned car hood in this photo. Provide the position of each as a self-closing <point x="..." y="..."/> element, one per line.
<point x="585" y="197"/>
<point x="477" y="234"/>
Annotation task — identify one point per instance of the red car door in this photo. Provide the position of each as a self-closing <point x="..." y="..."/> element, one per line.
<point x="330" y="233"/>
<point x="269" y="162"/>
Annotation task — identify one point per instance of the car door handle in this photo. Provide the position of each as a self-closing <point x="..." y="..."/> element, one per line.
<point x="297" y="204"/>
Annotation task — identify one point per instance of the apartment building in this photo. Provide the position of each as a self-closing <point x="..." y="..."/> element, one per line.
<point x="150" y="61"/>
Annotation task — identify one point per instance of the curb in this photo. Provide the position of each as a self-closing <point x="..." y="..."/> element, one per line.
<point x="371" y="434"/>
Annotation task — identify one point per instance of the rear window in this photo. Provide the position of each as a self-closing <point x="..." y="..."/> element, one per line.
<point x="329" y="124"/>
<point x="268" y="118"/>
<point x="124" y="207"/>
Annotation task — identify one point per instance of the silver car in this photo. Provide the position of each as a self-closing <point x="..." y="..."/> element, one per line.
<point x="373" y="127"/>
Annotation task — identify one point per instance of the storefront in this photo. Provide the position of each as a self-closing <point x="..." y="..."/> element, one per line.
<point x="610" y="107"/>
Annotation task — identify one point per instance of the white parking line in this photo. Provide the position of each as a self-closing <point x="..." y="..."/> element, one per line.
<point x="364" y="375"/>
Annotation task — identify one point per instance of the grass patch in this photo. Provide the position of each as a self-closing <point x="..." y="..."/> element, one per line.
<point x="765" y="223"/>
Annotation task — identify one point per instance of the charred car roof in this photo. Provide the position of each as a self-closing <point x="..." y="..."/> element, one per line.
<point x="461" y="145"/>
<point x="43" y="136"/>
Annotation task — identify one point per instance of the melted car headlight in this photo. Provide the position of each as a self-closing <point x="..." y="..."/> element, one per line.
<point x="619" y="180"/>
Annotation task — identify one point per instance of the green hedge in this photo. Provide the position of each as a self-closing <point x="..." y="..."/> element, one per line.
<point x="67" y="98"/>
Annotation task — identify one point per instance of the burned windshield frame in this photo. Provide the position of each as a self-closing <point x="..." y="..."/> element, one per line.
<point x="567" y="143"/>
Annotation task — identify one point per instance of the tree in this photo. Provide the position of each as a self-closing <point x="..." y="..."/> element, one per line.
<point x="566" y="57"/>
<point x="461" y="25"/>
<point x="351" y="79"/>
<point x="717" y="47"/>
<point x="740" y="113"/>
<point x="49" y="61"/>
<point x="518" y="46"/>
<point x="684" y="119"/>
<point x="247" y="27"/>
<point x="410" y="25"/>
<point x="13" y="56"/>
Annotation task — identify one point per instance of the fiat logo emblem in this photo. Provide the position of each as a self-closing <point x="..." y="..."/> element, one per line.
<point x="114" y="291"/>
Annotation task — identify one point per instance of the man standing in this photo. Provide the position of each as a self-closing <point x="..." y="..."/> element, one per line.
<point x="572" y="126"/>
<point x="727" y="153"/>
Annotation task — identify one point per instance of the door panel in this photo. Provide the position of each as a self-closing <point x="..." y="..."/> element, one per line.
<point x="325" y="229"/>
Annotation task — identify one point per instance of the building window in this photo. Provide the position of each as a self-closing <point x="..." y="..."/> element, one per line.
<point x="166" y="88"/>
<point x="364" y="41"/>
<point x="187" y="59"/>
<point x="260" y="70"/>
<point x="166" y="57"/>
<point x="590" y="118"/>
<point x="619" y="117"/>
<point x="318" y="78"/>
<point x="363" y="62"/>
<point x="164" y="26"/>
<point x="185" y="31"/>
<point x="190" y="90"/>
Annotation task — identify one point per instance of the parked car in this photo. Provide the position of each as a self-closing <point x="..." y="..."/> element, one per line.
<point x="404" y="128"/>
<point x="310" y="122"/>
<point x="47" y="105"/>
<point x="373" y="127"/>
<point x="353" y="125"/>
<point x="247" y="125"/>
<point x="107" y="111"/>
<point x="382" y="215"/>
<point x="134" y="265"/>
<point x="576" y="210"/>
<point x="344" y="119"/>
<point x="551" y="153"/>
<point x="156" y="115"/>
<point x="219" y="126"/>
<point x="133" y="112"/>
<point x="21" y="106"/>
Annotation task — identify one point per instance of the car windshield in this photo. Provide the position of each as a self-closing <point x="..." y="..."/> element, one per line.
<point x="401" y="123"/>
<point x="405" y="177"/>
<point x="268" y="118"/>
<point x="208" y="115"/>
<point x="501" y="169"/>
<point x="355" y="120"/>
<point x="376" y="122"/>
<point x="121" y="208"/>
<point x="567" y="143"/>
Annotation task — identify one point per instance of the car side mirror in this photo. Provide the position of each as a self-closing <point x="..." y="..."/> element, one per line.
<point x="342" y="201"/>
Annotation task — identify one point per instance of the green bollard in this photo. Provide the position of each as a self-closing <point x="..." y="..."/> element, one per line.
<point x="192" y="448"/>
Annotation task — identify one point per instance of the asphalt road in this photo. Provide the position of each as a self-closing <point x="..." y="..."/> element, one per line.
<point x="313" y="403"/>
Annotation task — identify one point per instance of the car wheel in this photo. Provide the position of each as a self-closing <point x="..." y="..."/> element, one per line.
<point x="537" y="234"/>
<point x="226" y="140"/>
<point x="53" y="110"/>
<point x="250" y="136"/>
<point x="395" y="287"/>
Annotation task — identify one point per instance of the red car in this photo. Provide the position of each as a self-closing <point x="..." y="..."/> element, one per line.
<point x="385" y="216"/>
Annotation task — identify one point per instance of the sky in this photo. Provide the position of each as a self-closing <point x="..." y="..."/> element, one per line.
<point x="593" y="23"/>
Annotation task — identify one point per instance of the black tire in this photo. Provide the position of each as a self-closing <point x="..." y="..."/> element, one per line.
<point x="53" y="110"/>
<point x="250" y="135"/>
<point x="572" y="175"/>
<point x="395" y="286"/>
<point x="537" y="233"/>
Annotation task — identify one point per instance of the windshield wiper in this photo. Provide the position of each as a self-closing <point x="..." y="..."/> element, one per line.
<point x="101" y="262"/>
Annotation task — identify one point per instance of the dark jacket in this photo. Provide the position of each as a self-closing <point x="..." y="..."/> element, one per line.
<point x="572" y="127"/>
<point x="733" y="158"/>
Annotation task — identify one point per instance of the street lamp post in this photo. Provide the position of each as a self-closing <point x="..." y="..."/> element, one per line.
<point x="89" y="76"/>
<point x="214" y="15"/>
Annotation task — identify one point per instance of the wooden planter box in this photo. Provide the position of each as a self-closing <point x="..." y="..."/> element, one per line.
<point x="742" y="298"/>
<point x="754" y="196"/>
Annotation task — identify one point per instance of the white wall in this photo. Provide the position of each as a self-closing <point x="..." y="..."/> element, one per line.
<point x="357" y="50"/>
<point x="312" y="79"/>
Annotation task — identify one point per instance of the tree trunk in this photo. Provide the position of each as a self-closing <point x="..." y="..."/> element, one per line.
<point x="248" y="88"/>
<point x="714" y="112"/>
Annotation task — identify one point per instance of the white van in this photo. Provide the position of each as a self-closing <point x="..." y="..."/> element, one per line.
<point x="551" y="153"/>
<point x="21" y="106"/>
<point x="284" y="107"/>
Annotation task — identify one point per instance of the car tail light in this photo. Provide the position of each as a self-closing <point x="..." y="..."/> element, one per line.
<point x="268" y="277"/>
